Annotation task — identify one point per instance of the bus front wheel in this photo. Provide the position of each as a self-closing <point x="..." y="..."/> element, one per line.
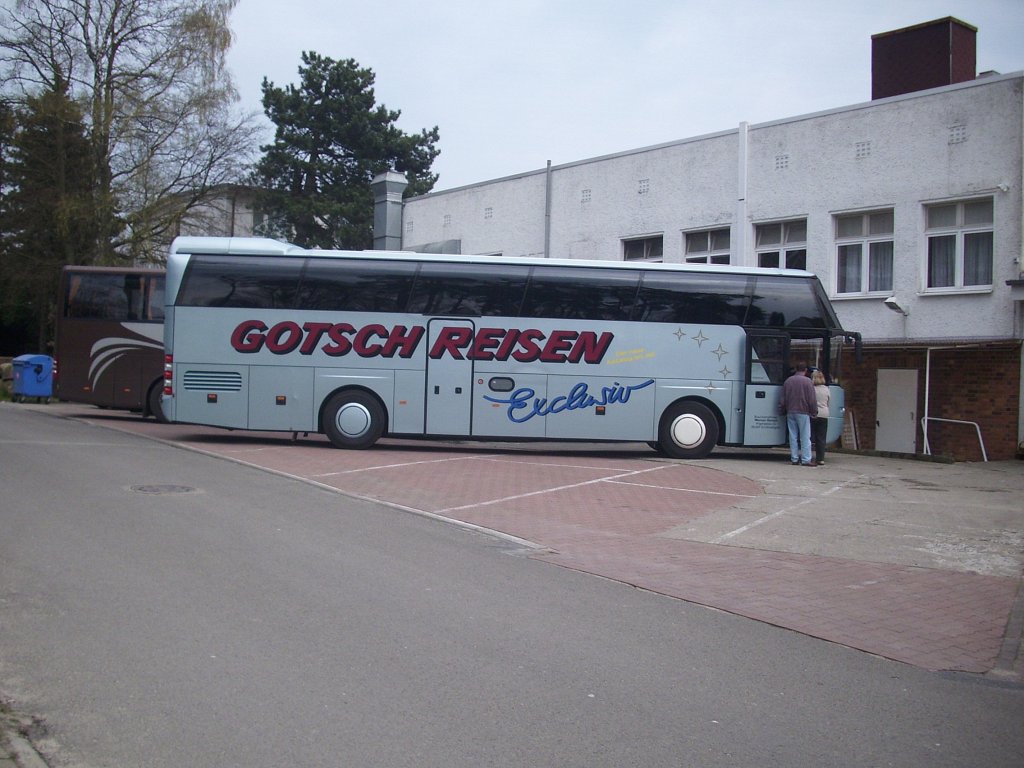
<point x="688" y="431"/>
<point x="353" y="420"/>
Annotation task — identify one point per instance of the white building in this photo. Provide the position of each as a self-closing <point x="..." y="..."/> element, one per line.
<point x="908" y="207"/>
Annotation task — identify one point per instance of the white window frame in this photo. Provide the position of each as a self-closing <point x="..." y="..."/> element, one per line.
<point x="872" y="240"/>
<point x="651" y="248"/>
<point x="792" y="240"/>
<point x="960" y="231"/>
<point x="708" y="246"/>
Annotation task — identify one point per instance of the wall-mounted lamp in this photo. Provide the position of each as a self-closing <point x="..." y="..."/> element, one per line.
<point x="895" y="306"/>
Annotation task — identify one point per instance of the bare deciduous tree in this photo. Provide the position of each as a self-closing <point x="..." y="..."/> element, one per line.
<point x="157" y="99"/>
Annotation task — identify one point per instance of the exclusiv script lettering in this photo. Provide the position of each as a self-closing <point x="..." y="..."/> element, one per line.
<point x="523" y="404"/>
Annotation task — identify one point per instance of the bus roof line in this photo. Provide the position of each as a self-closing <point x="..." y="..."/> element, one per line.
<point x="258" y="246"/>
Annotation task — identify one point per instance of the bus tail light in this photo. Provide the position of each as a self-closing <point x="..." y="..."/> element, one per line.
<point x="168" y="375"/>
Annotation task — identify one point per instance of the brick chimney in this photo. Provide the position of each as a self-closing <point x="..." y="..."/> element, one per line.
<point x="929" y="55"/>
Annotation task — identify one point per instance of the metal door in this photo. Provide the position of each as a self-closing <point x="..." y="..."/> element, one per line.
<point x="449" y="403"/>
<point x="896" y="410"/>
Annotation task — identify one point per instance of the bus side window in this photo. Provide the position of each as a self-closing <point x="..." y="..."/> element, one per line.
<point x="691" y="298"/>
<point x="256" y="283"/>
<point x="780" y="302"/>
<point x="98" y="297"/>
<point x="581" y="294"/>
<point x="468" y="290"/>
<point x="133" y="297"/>
<point x="155" y="298"/>
<point x="356" y="285"/>
<point x="767" y="359"/>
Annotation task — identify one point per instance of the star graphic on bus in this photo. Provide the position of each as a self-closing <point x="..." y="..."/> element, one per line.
<point x="720" y="352"/>
<point x="679" y="334"/>
<point x="725" y="372"/>
<point x="700" y="338"/>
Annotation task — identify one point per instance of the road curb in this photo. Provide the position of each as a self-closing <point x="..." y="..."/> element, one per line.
<point x="17" y="749"/>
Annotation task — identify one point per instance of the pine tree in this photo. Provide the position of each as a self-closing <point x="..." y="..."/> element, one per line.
<point x="331" y="139"/>
<point x="46" y="217"/>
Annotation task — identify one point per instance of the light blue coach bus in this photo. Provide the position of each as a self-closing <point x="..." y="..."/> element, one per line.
<point x="264" y="335"/>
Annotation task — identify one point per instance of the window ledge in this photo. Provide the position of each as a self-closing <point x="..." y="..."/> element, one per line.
<point x="983" y="290"/>
<point x="860" y="296"/>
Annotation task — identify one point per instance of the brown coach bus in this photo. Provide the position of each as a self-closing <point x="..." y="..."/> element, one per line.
<point x="109" y="350"/>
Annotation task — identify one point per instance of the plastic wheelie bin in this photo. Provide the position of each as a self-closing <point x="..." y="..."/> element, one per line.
<point x="33" y="377"/>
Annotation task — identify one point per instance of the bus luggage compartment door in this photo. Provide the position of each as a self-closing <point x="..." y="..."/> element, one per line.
<point x="503" y="404"/>
<point x="449" y="378"/>
<point x="280" y="398"/>
<point x="217" y="395"/>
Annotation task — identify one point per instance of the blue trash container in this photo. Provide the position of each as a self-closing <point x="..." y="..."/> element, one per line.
<point x="33" y="377"/>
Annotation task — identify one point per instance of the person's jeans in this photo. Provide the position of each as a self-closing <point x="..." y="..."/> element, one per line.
<point x="799" y="428"/>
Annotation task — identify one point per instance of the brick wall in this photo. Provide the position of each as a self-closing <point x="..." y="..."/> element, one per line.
<point x="970" y="384"/>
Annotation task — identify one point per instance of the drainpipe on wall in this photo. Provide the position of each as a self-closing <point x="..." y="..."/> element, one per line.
<point x="387" y="191"/>
<point x="738" y="236"/>
<point x="547" y="212"/>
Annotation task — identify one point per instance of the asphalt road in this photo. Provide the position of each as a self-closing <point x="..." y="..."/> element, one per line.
<point x="159" y="607"/>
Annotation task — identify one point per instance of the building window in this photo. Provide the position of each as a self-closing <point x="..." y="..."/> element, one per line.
<point x="864" y="253"/>
<point x="960" y="245"/>
<point x="447" y="219"/>
<point x="783" y="244"/>
<point x="781" y="162"/>
<point x="488" y="212"/>
<point x="862" y="149"/>
<point x="585" y="196"/>
<point x="643" y="249"/>
<point x="710" y="246"/>
<point x="957" y="134"/>
<point x="643" y="187"/>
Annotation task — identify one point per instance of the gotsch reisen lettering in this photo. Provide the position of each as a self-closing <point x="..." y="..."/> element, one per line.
<point x="457" y="342"/>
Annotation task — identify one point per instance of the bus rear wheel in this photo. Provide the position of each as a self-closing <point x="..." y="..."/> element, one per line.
<point x="154" y="404"/>
<point x="688" y="431"/>
<point x="353" y="420"/>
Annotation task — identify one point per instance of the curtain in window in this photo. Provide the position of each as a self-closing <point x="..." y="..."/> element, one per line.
<point x="978" y="258"/>
<point x="848" y="274"/>
<point x="941" y="261"/>
<point x="880" y="267"/>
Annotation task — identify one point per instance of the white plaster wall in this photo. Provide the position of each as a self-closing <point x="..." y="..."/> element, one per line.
<point x="515" y="226"/>
<point x="693" y="184"/>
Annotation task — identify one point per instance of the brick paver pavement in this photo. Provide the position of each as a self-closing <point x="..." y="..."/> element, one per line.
<point x="618" y="513"/>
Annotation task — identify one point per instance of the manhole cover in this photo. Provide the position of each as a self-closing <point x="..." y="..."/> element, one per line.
<point x="162" y="489"/>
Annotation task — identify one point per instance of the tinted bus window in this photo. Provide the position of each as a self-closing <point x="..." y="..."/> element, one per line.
<point x="581" y="294"/>
<point x="782" y="302"/>
<point x="154" y="302"/>
<point x="258" y="282"/>
<point x="119" y="297"/>
<point x="469" y="290"/>
<point x="693" y="298"/>
<point x="356" y="285"/>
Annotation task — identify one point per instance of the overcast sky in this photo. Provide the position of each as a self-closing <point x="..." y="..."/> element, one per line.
<point x="512" y="84"/>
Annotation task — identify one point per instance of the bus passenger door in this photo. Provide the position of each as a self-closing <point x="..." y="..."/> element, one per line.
<point x="449" y="377"/>
<point x="767" y="365"/>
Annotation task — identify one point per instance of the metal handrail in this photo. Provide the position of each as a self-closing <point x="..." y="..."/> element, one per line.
<point x="924" y="430"/>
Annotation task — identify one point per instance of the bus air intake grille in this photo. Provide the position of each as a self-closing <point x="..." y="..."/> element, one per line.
<point x="213" y="381"/>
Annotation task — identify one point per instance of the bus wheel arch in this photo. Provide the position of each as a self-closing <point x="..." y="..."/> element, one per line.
<point x="154" y="405"/>
<point x="353" y="418"/>
<point x="689" y="429"/>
